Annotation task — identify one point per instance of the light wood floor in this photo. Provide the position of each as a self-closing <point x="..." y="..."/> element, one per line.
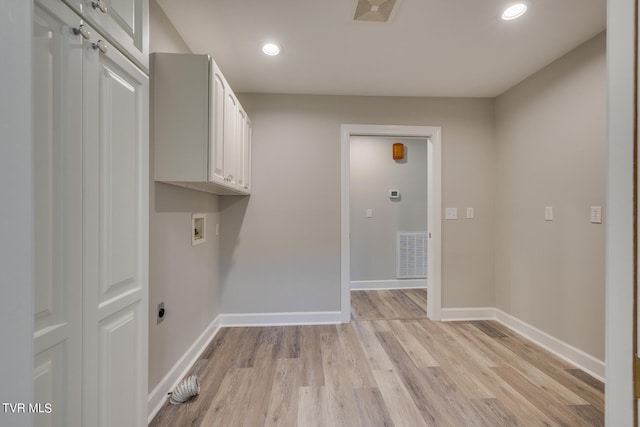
<point x="389" y="367"/>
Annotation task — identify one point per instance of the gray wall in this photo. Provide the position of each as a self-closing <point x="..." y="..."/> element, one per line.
<point x="279" y="250"/>
<point x="285" y="253"/>
<point x="373" y="172"/>
<point x="551" y="151"/>
<point x="16" y="211"/>
<point x="185" y="277"/>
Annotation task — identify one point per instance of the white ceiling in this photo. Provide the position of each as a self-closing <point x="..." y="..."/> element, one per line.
<point x="428" y="48"/>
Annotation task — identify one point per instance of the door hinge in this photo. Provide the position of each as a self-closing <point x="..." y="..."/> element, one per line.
<point x="636" y="376"/>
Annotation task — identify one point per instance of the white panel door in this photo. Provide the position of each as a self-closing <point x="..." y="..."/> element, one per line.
<point x="115" y="226"/>
<point x="57" y="132"/>
<point x="216" y="126"/>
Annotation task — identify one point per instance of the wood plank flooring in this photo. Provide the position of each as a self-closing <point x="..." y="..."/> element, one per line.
<point x="390" y="366"/>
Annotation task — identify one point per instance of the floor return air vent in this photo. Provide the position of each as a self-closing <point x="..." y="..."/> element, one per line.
<point x="412" y="256"/>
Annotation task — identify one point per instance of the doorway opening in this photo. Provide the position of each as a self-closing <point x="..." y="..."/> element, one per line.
<point x="433" y="145"/>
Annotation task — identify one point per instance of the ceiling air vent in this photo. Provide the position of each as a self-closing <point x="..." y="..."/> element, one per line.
<point x="373" y="10"/>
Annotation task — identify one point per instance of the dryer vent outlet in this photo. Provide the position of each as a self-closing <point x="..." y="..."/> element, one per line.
<point x="161" y="313"/>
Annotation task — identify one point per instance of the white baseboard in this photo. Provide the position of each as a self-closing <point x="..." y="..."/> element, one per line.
<point x="158" y="396"/>
<point x="281" y="319"/>
<point x="467" y="313"/>
<point x="567" y="352"/>
<point x="584" y="361"/>
<point x="575" y="356"/>
<point x="364" y="285"/>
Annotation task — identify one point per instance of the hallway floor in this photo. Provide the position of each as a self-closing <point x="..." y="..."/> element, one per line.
<point x="389" y="367"/>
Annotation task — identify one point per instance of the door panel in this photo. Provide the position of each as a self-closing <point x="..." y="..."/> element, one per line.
<point x="119" y="346"/>
<point x="57" y="131"/>
<point x="119" y="147"/>
<point x="50" y="368"/>
<point x="115" y="241"/>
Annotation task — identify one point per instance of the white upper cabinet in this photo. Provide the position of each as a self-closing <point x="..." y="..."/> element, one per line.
<point x="199" y="126"/>
<point x="125" y="23"/>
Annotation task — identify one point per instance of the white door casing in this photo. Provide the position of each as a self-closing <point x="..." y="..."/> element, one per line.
<point x="434" y="226"/>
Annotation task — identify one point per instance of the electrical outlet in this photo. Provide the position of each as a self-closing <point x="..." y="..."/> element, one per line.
<point x="161" y="313"/>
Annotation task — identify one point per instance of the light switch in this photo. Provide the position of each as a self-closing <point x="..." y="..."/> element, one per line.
<point x="596" y="214"/>
<point x="451" y="213"/>
<point x="469" y="213"/>
<point x="369" y="213"/>
<point x="548" y="213"/>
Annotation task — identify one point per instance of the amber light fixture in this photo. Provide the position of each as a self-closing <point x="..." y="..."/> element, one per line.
<point x="398" y="151"/>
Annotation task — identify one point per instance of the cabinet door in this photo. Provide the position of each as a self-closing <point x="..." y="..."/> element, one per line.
<point x="243" y="151"/>
<point x="230" y="137"/>
<point x="115" y="240"/>
<point x="248" y="135"/>
<point x="57" y="134"/>
<point x="216" y="126"/>
<point x="124" y="22"/>
<point x="241" y="126"/>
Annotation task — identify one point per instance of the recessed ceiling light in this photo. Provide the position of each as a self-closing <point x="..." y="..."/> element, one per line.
<point x="514" y="11"/>
<point x="271" y="49"/>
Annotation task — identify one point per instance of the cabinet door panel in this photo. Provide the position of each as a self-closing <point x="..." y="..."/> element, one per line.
<point x="216" y="127"/>
<point x="240" y="148"/>
<point x="115" y="202"/>
<point x="125" y="23"/>
<point x="248" y="136"/>
<point x="57" y="132"/>
<point x="230" y="137"/>
<point x="243" y="150"/>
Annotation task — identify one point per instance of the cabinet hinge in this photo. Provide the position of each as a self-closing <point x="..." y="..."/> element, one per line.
<point x="636" y="376"/>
